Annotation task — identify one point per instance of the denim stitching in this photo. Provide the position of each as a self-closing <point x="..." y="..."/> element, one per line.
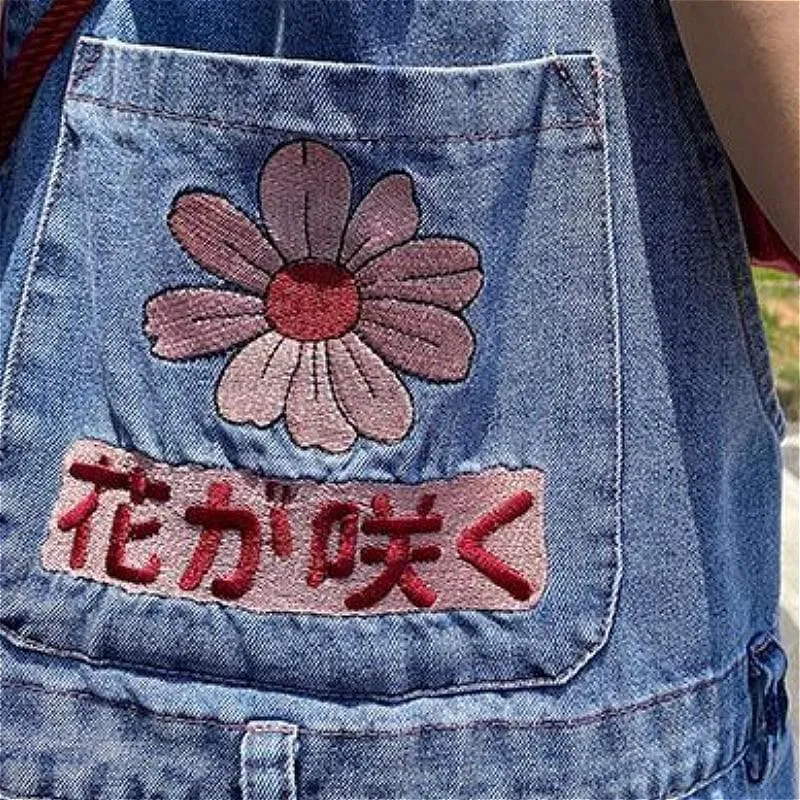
<point x="419" y="730"/>
<point x="21" y="317"/>
<point x="653" y="701"/>
<point x="84" y="69"/>
<point x="565" y="76"/>
<point x="215" y="122"/>
<point x="594" y="116"/>
<point x="701" y="783"/>
<point x="614" y="346"/>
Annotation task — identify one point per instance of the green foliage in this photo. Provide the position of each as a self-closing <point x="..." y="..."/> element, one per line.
<point x="779" y="300"/>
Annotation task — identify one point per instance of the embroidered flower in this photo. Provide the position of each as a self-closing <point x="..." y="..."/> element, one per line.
<point x="330" y="302"/>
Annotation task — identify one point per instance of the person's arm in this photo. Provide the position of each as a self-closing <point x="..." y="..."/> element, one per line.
<point x="745" y="56"/>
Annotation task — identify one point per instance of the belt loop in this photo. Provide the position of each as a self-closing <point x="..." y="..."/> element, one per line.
<point x="766" y="680"/>
<point x="268" y="752"/>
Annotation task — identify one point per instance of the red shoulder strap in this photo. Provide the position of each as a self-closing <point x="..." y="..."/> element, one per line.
<point x="37" y="52"/>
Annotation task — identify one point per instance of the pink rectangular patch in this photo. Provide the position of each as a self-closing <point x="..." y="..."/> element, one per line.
<point x="475" y="541"/>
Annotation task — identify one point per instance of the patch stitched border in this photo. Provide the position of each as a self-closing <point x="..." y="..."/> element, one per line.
<point x="475" y="541"/>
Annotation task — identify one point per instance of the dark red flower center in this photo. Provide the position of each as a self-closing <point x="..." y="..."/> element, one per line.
<point x="312" y="300"/>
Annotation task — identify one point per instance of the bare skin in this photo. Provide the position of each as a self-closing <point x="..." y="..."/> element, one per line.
<point x="745" y="56"/>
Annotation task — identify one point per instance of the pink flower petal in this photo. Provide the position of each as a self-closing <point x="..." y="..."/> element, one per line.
<point x="223" y="240"/>
<point x="421" y="339"/>
<point x="441" y="272"/>
<point x="187" y="323"/>
<point x="386" y="217"/>
<point x="305" y="200"/>
<point x="370" y="394"/>
<point x="312" y="415"/>
<point x="254" y="385"/>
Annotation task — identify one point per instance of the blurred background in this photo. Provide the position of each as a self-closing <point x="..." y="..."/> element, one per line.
<point x="779" y="299"/>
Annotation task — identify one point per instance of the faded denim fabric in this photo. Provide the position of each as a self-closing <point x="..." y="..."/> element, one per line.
<point x="615" y="347"/>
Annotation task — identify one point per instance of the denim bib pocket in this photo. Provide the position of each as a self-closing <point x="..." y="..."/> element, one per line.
<point x="315" y="381"/>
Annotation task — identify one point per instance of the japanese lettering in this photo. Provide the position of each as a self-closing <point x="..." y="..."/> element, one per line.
<point x="472" y="541"/>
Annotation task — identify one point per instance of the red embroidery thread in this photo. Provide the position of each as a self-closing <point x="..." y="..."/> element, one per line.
<point x="280" y="527"/>
<point x="470" y="545"/>
<point x="344" y="514"/>
<point x="330" y="303"/>
<point x="207" y="546"/>
<point x="141" y="488"/>
<point x="399" y="556"/>
<point x="434" y="548"/>
<point x="123" y="530"/>
<point x="215" y="517"/>
<point x="79" y="517"/>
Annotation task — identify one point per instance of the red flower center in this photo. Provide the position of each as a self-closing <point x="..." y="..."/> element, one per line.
<point x="312" y="300"/>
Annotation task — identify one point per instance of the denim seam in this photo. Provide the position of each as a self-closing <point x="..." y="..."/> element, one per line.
<point x="593" y="116"/>
<point x="258" y="726"/>
<point x="701" y="783"/>
<point x="13" y="354"/>
<point x="759" y="372"/>
<point x="216" y="122"/>
<point x="613" y="344"/>
<point x="565" y="76"/>
<point x="86" y="68"/>
<point x="342" y="733"/>
<point x="288" y="734"/>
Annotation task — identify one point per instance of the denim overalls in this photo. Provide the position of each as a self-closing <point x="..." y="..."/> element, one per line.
<point x="385" y="413"/>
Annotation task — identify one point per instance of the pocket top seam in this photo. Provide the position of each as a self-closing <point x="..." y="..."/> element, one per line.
<point x="217" y="122"/>
<point x="356" y="101"/>
<point x="564" y="74"/>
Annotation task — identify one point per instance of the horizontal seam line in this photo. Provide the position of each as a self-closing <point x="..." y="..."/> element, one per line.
<point x="707" y="780"/>
<point x="139" y="50"/>
<point x="546" y="724"/>
<point x="227" y="124"/>
<point x="703" y="782"/>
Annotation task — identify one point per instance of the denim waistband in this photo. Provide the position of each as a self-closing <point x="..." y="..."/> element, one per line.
<point x="186" y="740"/>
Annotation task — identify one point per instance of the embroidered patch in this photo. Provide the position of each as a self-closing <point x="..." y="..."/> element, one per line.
<point x="474" y="541"/>
<point x="329" y="305"/>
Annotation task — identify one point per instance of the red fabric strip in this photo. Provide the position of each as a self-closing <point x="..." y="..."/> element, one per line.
<point x="37" y="52"/>
<point x="763" y="241"/>
<point x="273" y="544"/>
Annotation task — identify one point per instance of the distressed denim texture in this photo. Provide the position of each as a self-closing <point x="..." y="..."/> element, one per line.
<point x="618" y="349"/>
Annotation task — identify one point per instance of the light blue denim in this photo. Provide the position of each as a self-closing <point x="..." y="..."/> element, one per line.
<point x="619" y="350"/>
